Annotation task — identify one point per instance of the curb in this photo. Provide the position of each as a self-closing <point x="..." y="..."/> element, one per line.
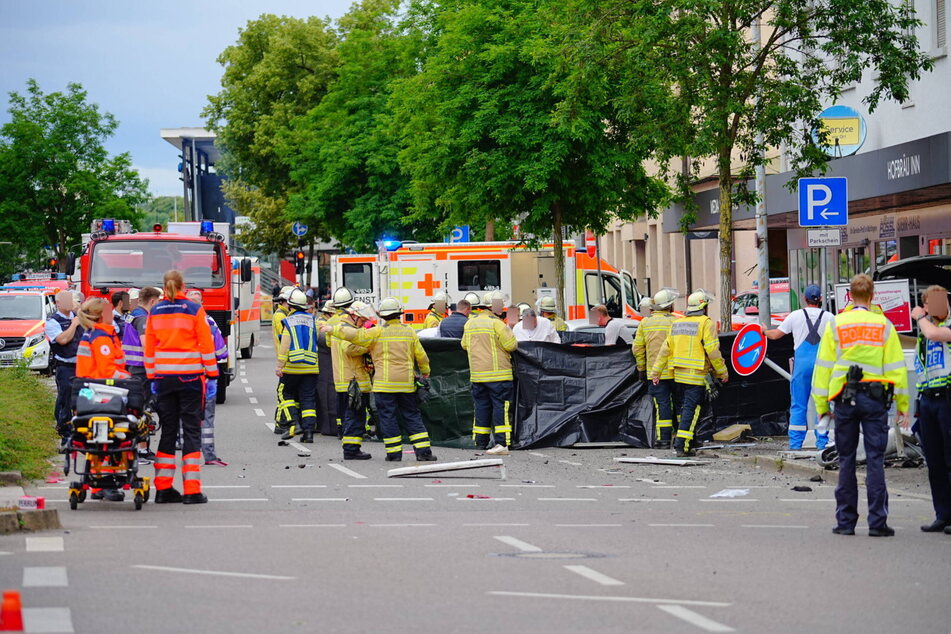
<point x="29" y="521"/>
<point x="780" y="465"/>
<point x="10" y="478"/>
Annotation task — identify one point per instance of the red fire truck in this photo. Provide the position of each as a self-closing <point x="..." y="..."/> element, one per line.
<point x="116" y="257"/>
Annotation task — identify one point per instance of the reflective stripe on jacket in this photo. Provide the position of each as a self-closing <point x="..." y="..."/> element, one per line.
<point x="868" y="340"/>
<point x="298" y="351"/>
<point x="100" y="355"/>
<point x="178" y="340"/>
<point x="395" y="350"/>
<point x="132" y="338"/>
<point x="651" y="334"/>
<point x="691" y="349"/>
<point x="933" y="361"/>
<point x="221" y="346"/>
<point x="347" y="358"/>
<point x="489" y="343"/>
<point x="276" y="318"/>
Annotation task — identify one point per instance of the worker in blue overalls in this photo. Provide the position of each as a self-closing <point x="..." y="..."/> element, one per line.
<point x="806" y="325"/>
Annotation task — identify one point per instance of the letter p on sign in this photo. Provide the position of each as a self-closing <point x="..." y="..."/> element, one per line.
<point x="823" y="202"/>
<point x="817" y="196"/>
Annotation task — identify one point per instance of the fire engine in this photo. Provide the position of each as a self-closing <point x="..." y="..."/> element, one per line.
<point x="115" y="257"/>
<point x="415" y="272"/>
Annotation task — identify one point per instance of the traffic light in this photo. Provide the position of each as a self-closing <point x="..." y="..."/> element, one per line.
<point x="52" y="263"/>
<point x="299" y="261"/>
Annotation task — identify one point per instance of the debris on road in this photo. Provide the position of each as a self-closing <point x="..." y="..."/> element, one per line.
<point x="731" y="433"/>
<point x="802" y="489"/>
<point x="731" y="493"/>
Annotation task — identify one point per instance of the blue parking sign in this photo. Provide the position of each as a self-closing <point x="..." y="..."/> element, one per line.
<point x="459" y="234"/>
<point x="823" y="202"/>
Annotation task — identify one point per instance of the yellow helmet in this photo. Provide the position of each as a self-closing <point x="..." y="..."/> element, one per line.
<point x="343" y="297"/>
<point x="390" y="307"/>
<point x="698" y="300"/>
<point x="547" y="304"/>
<point x="359" y="309"/>
<point x="664" y="298"/>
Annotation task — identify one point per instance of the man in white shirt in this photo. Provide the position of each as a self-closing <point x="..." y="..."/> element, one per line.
<point x="614" y="331"/>
<point x="806" y="325"/>
<point x="534" y="328"/>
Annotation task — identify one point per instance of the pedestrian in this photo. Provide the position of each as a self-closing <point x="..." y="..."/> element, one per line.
<point x="692" y="349"/>
<point x="64" y="332"/>
<point x="651" y="334"/>
<point x="489" y="344"/>
<point x="100" y="356"/>
<point x="546" y="306"/>
<point x="806" y="325"/>
<point x="535" y="328"/>
<point x="437" y="311"/>
<point x="211" y="389"/>
<point x="861" y="368"/>
<point x="351" y="380"/>
<point x="282" y="414"/>
<point x="132" y="348"/>
<point x="933" y="364"/>
<point x="397" y="355"/>
<point x="614" y="331"/>
<point x="297" y="365"/>
<point x="452" y="326"/>
<point x="120" y="307"/>
<point x="179" y="355"/>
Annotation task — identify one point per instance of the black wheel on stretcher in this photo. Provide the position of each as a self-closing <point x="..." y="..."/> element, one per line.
<point x="139" y="501"/>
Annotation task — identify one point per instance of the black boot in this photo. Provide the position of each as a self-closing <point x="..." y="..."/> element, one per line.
<point x="425" y="456"/>
<point x="279" y="429"/>
<point x="356" y="455"/>
<point x="883" y="531"/>
<point x="308" y="437"/>
<point x="168" y="496"/>
<point x="936" y="526"/>
<point x="394" y="457"/>
<point x="194" y="498"/>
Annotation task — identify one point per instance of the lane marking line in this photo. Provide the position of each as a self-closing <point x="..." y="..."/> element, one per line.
<point x="270" y="426"/>
<point x="729" y="500"/>
<point x="647" y="500"/>
<point x="679" y="486"/>
<point x="44" y="545"/>
<point x="527" y="486"/>
<point x="219" y="526"/>
<point x="249" y="389"/>
<point x="45" y="577"/>
<point x="219" y="573"/>
<point x="121" y="526"/>
<point x="807" y="500"/>
<point x="398" y="525"/>
<point x="582" y="597"/>
<point x="243" y="380"/>
<point x="345" y="470"/>
<point x="604" y="486"/>
<point x="311" y="525"/>
<point x="47" y="620"/>
<point x="258" y="412"/>
<point x="695" y="619"/>
<point x="494" y="524"/>
<point x="538" y="454"/>
<point x="298" y="486"/>
<point x="490" y="499"/>
<point x="320" y="499"/>
<point x="575" y="464"/>
<point x="567" y="499"/>
<point x="374" y="486"/>
<point x="588" y="525"/>
<point x="773" y="526"/>
<point x="451" y="486"/>
<point x="683" y="525"/>
<point x="253" y="400"/>
<point x="403" y="500"/>
<point x="525" y="547"/>
<point x="594" y="575"/>
<point x="239" y="500"/>
<point x="226" y="486"/>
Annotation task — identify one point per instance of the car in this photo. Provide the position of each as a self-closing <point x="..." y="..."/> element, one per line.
<point x="745" y="306"/>
<point x="23" y="314"/>
<point x="921" y="272"/>
<point x="588" y="331"/>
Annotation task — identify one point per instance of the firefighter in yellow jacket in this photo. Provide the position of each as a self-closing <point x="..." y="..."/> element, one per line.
<point x="348" y="367"/>
<point x="490" y="344"/>
<point x="297" y="366"/>
<point x="691" y="350"/>
<point x="546" y="306"/>
<point x="860" y="367"/>
<point x="651" y="334"/>
<point x="437" y="311"/>
<point x="284" y="414"/>
<point x="396" y="353"/>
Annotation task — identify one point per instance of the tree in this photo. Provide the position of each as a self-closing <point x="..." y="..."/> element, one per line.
<point x="344" y="152"/>
<point x="56" y="175"/>
<point x="160" y="210"/>
<point x="484" y="141"/>
<point x="714" y="89"/>
<point x="270" y="230"/>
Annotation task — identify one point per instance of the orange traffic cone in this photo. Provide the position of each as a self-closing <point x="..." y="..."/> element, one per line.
<point x="11" y="612"/>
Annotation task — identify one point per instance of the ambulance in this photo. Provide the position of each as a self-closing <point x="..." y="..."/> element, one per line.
<point x="117" y="258"/>
<point x="415" y="272"/>
<point x="23" y="313"/>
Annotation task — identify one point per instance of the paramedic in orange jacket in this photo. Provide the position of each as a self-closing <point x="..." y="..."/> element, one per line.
<point x="179" y="355"/>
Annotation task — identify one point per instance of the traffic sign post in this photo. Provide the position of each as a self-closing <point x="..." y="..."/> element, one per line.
<point x="749" y="352"/>
<point x="299" y="229"/>
<point x="823" y="202"/>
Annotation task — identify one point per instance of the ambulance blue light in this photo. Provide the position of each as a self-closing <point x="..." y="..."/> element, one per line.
<point x="207" y="226"/>
<point x="109" y="225"/>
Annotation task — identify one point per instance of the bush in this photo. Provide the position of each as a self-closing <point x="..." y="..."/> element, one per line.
<point x="27" y="435"/>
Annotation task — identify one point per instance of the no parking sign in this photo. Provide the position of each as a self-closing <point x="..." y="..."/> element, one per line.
<point x="749" y="350"/>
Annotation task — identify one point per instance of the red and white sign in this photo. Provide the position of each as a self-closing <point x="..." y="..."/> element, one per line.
<point x="893" y="296"/>
<point x="590" y="243"/>
<point x="749" y="350"/>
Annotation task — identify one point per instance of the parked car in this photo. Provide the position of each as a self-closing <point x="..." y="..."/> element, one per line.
<point x="745" y="306"/>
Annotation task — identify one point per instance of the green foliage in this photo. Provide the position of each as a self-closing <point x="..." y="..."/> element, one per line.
<point x="161" y="210"/>
<point x="27" y="436"/>
<point x="270" y="230"/>
<point x="55" y="173"/>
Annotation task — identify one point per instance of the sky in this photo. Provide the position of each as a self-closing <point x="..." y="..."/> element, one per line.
<point x="151" y="64"/>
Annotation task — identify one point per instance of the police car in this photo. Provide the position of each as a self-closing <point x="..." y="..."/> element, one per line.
<point x="23" y="314"/>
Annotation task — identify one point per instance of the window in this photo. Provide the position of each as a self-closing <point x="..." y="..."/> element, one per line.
<point x="480" y="275"/>
<point x="940" y="25"/>
<point x="17" y="307"/>
<point x="138" y="263"/>
<point x="358" y="278"/>
<point x="612" y="292"/>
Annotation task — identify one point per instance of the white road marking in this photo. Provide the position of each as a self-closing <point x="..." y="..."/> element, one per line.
<point x="253" y="400"/>
<point x="452" y="486"/>
<point x="249" y="389"/>
<point x="219" y="526"/>
<point x="567" y="499"/>
<point x="123" y="526"/>
<point x="807" y="500"/>
<point x="683" y="486"/>
<point x="219" y="573"/>
<point x="259" y="412"/>
<point x="683" y="525"/>
<point x="487" y="499"/>
<point x="647" y="480"/>
<point x="299" y="447"/>
<point x="298" y="486"/>
<point x="538" y="454"/>
<point x="320" y="499"/>
<point x="45" y="577"/>
<point x="527" y="486"/>
<point x="271" y="426"/>
<point x="47" y="620"/>
<point x="773" y="526"/>
<point x="582" y="597"/>
<point x="345" y="470"/>
<point x="729" y="500"/>
<point x="525" y="547"/>
<point x="604" y="486"/>
<point x="594" y="575"/>
<point x="494" y="524"/>
<point x="576" y="464"/>
<point x="311" y="525"/>
<point x="398" y="525"/>
<point x="226" y="486"/>
<point x="647" y="500"/>
<point x="588" y="525"/>
<point x="374" y="486"/>
<point x="44" y="544"/>
<point x="695" y="619"/>
<point x="244" y="380"/>
<point x="239" y="500"/>
<point x="403" y="499"/>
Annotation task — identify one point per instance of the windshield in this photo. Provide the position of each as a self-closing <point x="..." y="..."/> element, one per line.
<point x="779" y="303"/>
<point x="137" y="263"/>
<point x="21" y="307"/>
<point x="630" y="295"/>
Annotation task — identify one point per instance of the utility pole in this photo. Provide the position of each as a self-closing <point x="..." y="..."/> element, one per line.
<point x="762" y="234"/>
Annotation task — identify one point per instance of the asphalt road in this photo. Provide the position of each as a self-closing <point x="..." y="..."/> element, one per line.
<point x="569" y="541"/>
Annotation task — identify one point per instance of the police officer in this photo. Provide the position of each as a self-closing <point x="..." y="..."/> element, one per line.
<point x="933" y="364"/>
<point x="861" y="367"/>
<point x="396" y="353"/>
<point x="691" y="349"/>
<point x="454" y="325"/>
<point x="437" y="311"/>
<point x="297" y="365"/>
<point x="490" y="344"/>
<point x="546" y="306"/>
<point x="64" y="332"/>
<point x="651" y="334"/>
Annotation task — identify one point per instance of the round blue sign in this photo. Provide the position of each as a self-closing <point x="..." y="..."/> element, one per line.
<point x="845" y="131"/>
<point x="299" y="229"/>
<point x="749" y="350"/>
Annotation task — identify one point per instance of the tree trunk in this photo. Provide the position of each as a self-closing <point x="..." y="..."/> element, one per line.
<point x="559" y="252"/>
<point x="489" y="230"/>
<point x="726" y="239"/>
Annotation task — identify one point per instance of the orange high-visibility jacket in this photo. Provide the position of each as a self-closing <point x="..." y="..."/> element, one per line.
<point x="100" y="356"/>
<point x="178" y="340"/>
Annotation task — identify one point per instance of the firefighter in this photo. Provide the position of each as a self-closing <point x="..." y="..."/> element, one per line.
<point x="396" y="353"/>
<point x="211" y="390"/>
<point x="132" y="348"/>
<point x="490" y="343"/>
<point x="690" y="351"/>
<point x="100" y="356"/>
<point x="282" y="414"/>
<point x="861" y="368"/>
<point x="297" y="364"/>
<point x="651" y="334"/>
<point x="326" y="311"/>
<point x="546" y="306"/>
<point x="437" y="311"/>
<point x="933" y="365"/>
<point x="349" y="367"/>
<point x="179" y="355"/>
<point x="341" y="300"/>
